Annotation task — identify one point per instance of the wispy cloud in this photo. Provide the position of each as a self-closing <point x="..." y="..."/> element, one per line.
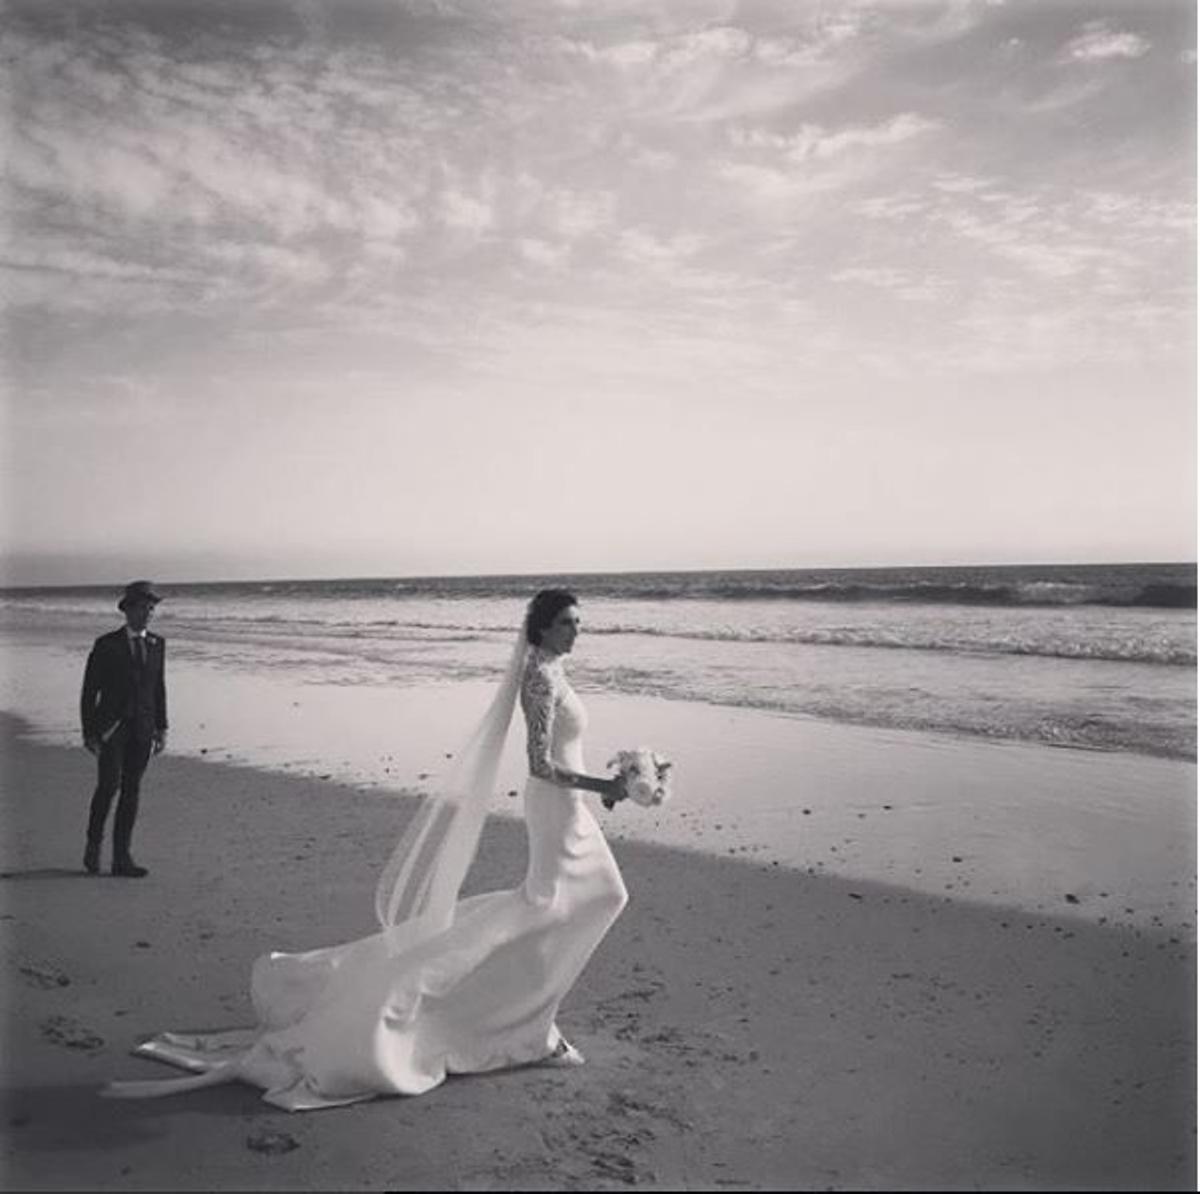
<point x="780" y="174"/>
<point x="813" y="141"/>
<point x="1100" y="42"/>
<point x="646" y="249"/>
<point x="543" y="253"/>
<point x="908" y="286"/>
<point x="468" y="213"/>
<point x="724" y="70"/>
<point x="700" y="158"/>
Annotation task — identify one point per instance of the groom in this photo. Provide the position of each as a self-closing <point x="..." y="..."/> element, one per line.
<point x="123" y="710"/>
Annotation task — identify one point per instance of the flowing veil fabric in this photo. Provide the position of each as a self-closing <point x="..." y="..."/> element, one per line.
<point x="419" y="886"/>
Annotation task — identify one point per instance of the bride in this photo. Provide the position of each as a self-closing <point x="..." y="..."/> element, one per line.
<point x="447" y="985"/>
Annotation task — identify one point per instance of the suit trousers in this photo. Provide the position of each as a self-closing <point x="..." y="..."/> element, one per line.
<point x="122" y="762"/>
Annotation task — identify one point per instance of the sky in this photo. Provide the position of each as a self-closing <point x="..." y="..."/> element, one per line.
<point x="385" y="288"/>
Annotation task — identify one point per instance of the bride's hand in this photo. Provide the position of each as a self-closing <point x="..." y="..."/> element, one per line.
<point x="614" y="791"/>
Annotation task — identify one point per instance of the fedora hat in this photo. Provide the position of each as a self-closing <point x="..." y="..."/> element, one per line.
<point x="138" y="590"/>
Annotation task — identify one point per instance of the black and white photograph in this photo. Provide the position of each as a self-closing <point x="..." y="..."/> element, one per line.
<point x="598" y="595"/>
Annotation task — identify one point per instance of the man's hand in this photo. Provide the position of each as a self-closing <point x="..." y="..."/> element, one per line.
<point x="160" y="741"/>
<point x="91" y="744"/>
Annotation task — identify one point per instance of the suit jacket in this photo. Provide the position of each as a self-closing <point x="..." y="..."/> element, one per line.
<point x="116" y="690"/>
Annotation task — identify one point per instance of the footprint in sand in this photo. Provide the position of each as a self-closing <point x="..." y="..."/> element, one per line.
<point x="615" y="1166"/>
<point x="272" y="1143"/>
<point x="46" y="978"/>
<point x="62" y="1030"/>
<point x="643" y="994"/>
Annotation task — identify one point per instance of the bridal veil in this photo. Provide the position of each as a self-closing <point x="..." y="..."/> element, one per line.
<point x="419" y="886"/>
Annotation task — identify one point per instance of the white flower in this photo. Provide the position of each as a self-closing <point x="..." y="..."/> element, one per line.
<point x="647" y="775"/>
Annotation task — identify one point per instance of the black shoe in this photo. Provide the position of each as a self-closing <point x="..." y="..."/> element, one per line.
<point x="91" y="860"/>
<point x="128" y="869"/>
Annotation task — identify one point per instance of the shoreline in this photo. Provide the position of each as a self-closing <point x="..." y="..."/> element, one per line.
<point x="747" y="1026"/>
<point x="1001" y="821"/>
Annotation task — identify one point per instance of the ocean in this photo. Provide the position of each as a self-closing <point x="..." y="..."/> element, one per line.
<point x="1086" y="656"/>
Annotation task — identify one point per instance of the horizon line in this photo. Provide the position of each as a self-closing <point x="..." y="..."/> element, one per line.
<point x="544" y="573"/>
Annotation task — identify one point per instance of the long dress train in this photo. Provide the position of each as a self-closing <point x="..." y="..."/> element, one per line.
<point x="354" y="1021"/>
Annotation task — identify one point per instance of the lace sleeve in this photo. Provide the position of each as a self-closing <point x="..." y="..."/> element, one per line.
<point x="537" y="703"/>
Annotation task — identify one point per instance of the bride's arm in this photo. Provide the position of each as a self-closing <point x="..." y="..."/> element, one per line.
<point x="537" y="703"/>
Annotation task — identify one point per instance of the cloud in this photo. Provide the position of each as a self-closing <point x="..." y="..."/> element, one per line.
<point x="382" y="217"/>
<point x="814" y="142"/>
<point x="272" y="265"/>
<point x="166" y="158"/>
<point x="716" y="171"/>
<point x="890" y="207"/>
<point x="575" y="214"/>
<point x="1112" y="248"/>
<point x="728" y="43"/>
<point x="721" y="70"/>
<point x="153" y="140"/>
<point x="653" y="159"/>
<point x="1141" y="214"/>
<point x="540" y="252"/>
<point x="644" y="248"/>
<point x="777" y="169"/>
<point x="670" y="53"/>
<point x="830" y="31"/>
<point x="961" y="184"/>
<point x="1098" y="43"/>
<point x="466" y="212"/>
<point x="627" y="54"/>
<point x="904" y="284"/>
<point x="775" y="187"/>
<point x="56" y="257"/>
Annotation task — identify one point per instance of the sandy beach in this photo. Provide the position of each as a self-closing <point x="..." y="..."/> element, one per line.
<point x="748" y="1025"/>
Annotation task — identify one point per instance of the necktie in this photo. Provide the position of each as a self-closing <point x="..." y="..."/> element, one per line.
<point x="139" y="650"/>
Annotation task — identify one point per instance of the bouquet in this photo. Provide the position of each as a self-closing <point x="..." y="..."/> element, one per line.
<point x="647" y="776"/>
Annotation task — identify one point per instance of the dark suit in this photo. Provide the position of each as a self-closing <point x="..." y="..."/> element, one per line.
<point x="124" y="705"/>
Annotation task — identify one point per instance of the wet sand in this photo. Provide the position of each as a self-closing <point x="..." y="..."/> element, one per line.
<point x="748" y="1025"/>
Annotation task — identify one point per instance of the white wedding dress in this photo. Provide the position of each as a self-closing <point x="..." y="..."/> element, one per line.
<point x="354" y="1021"/>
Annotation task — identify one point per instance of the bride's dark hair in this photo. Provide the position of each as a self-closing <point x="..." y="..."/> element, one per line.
<point x="543" y="609"/>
